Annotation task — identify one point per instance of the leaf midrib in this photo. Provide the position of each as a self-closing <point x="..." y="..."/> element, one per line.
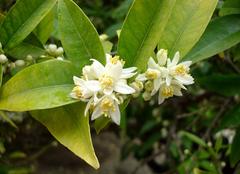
<point x="26" y="21"/>
<point x="33" y="89"/>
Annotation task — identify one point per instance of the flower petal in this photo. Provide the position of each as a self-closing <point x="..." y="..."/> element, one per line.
<point x="176" y="58"/>
<point x="123" y="88"/>
<point x="162" y="57"/>
<point x="116" y="117"/>
<point x="185" y="80"/>
<point x="93" y="85"/>
<point x="152" y="64"/>
<point x="98" y="68"/>
<point x="78" y="81"/>
<point x="129" y="70"/>
<point x="160" y="98"/>
<point x="96" y="113"/>
<point x="88" y="107"/>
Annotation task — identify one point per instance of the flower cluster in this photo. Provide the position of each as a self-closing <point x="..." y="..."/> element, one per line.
<point x="53" y="51"/>
<point x="104" y="88"/>
<point x="166" y="77"/>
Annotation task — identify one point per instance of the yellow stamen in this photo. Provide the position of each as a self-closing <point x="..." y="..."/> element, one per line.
<point x="114" y="60"/>
<point x="106" y="81"/>
<point x="151" y="74"/>
<point x="78" y="91"/>
<point x="106" y="106"/>
<point x="181" y="70"/>
<point x="167" y="91"/>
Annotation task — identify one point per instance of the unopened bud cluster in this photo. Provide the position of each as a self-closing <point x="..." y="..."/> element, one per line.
<point x="53" y="51"/>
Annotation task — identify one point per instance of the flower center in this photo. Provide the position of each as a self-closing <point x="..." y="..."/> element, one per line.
<point x="181" y="70"/>
<point x="107" y="105"/>
<point x="114" y="60"/>
<point x="78" y="91"/>
<point x="167" y="91"/>
<point x="106" y="81"/>
<point x="151" y="74"/>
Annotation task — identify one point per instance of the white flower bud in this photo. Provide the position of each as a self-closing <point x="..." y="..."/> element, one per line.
<point x="209" y="144"/>
<point x="60" y="51"/>
<point x="20" y="63"/>
<point x="52" y="47"/>
<point x="149" y="86"/>
<point x="29" y="58"/>
<point x="186" y="152"/>
<point x="164" y="132"/>
<point x="60" y="58"/>
<point x="3" y="59"/>
<point x="146" y="96"/>
<point x="11" y="65"/>
<point x="165" y="123"/>
<point x="103" y="37"/>
<point x="223" y="164"/>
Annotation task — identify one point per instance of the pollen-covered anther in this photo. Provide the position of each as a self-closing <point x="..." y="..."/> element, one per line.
<point x="151" y="74"/>
<point x="167" y="91"/>
<point x="106" y="81"/>
<point x="181" y="70"/>
<point x="78" y="91"/>
<point x="107" y="105"/>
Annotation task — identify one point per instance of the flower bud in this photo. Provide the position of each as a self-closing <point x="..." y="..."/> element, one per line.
<point x="11" y="65"/>
<point x="103" y="37"/>
<point x="0" y="45"/>
<point x="186" y="152"/>
<point x="60" y="51"/>
<point x="149" y="86"/>
<point x="60" y="58"/>
<point x="20" y="63"/>
<point x="3" y="59"/>
<point x="146" y="96"/>
<point x="209" y="144"/>
<point x="29" y="58"/>
<point x="223" y="164"/>
<point x="52" y="47"/>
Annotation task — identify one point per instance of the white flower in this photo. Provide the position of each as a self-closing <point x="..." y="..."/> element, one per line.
<point x="107" y="106"/>
<point x="165" y="77"/>
<point x="104" y="87"/>
<point x="167" y="91"/>
<point x="179" y="71"/>
<point x="111" y="77"/>
<point x="84" y="90"/>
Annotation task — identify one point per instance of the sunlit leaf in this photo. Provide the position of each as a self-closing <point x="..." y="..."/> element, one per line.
<point x="41" y="86"/>
<point x="187" y="23"/>
<point x="71" y="128"/>
<point x="142" y="30"/>
<point x="21" y="20"/>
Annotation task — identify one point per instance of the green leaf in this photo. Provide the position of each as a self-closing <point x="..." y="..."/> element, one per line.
<point x="193" y="138"/>
<point x="232" y="118"/>
<point x="186" y="25"/>
<point x="45" y="27"/>
<point x="78" y="36"/>
<point x="227" y="85"/>
<point x="221" y="34"/>
<point x="71" y="128"/>
<point x="142" y="30"/>
<point x="230" y="7"/>
<point x="41" y="86"/>
<point x="235" y="150"/>
<point x="20" y="21"/>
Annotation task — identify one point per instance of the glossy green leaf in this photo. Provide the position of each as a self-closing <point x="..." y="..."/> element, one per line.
<point x="24" y="49"/>
<point x="78" y="36"/>
<point x="230" y="7"/>
<point x="101" y="123"/>
<point x="186" y="25"/>
<point x="235" y="150"/>
<point x="45" y="27"/>
<point x="142" y="30"/>
<point x="40" y="86"/>
<point x="71" y="128"/>
<point x="228" y="85"/>
<point x="21" y="20"/>
<point x="220" y="35"/>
